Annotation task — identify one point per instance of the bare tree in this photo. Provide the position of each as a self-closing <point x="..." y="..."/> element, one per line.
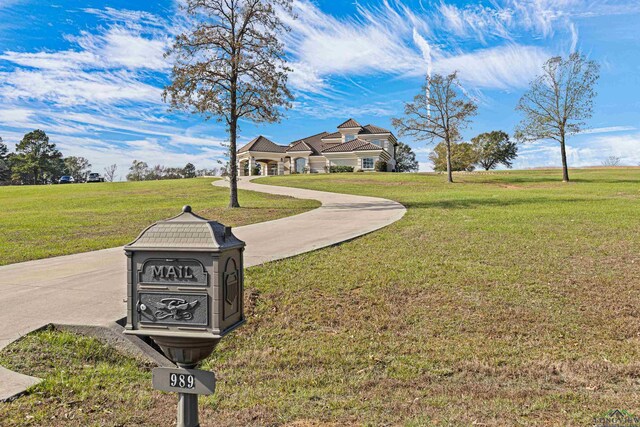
<point x="110" y="173"/>
<point x="438" y="114"/>
<point x="611" y="161"/>
<point x="231" y="65"/>
<point x="559" y="102"/>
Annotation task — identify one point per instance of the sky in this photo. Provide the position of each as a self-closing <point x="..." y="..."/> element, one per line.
<point x="91" y="73"/>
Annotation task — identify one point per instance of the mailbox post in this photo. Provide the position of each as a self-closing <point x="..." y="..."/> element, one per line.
<point x="185" y="291"/>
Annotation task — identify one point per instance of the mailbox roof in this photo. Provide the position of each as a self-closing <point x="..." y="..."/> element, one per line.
<point x="186" y="231"/>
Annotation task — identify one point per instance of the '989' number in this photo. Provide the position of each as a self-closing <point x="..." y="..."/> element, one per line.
<point x="182" y="380"/>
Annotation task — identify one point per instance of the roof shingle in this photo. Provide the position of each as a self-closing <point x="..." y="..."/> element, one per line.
<point x="373" y="129"/>
<point x="264" y="145"/>
<point x="334" y="135"/>
<point x="353" y="145"/>
<point x="350" y="124"/>
<point x="299" y="146"/>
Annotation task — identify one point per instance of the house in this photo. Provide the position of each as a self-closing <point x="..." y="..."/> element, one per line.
<point x="352" y="145"/>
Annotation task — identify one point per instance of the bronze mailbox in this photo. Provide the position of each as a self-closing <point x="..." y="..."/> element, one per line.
<point x="185" y="284"/>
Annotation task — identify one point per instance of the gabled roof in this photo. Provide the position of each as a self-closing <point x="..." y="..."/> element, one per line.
<point x="299" y="146"/>
<point x="353" y="145"/>
<point x="316" y="142"/>
<point x="263" y="145"/>
<point x="350" y="124"/>
<point x="373" y="129"/>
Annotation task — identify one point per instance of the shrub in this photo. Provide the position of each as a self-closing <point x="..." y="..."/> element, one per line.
<point x="359" y="170"/>
<point x="339" y="169"/>
<point x="381" y="166"/>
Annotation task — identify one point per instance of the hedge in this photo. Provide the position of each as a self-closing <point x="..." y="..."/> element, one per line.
<point x="338" y="169"/>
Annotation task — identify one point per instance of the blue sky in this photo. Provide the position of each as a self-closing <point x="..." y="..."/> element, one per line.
<point x="91" y="73"/>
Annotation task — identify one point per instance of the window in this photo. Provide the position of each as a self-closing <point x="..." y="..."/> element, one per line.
<point x="367" y="163"/>
<point x="349" y="137"/>
<point x="377" y="142"/>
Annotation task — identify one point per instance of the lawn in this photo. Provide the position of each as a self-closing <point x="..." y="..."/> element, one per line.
<point x="504" y="299"/>
<point x="44" y="221"/>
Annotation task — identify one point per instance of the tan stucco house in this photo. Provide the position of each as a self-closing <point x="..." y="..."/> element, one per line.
<point x="352" y="145"/>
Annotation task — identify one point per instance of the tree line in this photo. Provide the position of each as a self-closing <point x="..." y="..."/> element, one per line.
<point x="140" y="171"/>
<point x="36" y="160"/>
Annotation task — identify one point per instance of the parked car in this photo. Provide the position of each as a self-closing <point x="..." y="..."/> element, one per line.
<point x="66" y="179"/>
<point x="95" y="177"/>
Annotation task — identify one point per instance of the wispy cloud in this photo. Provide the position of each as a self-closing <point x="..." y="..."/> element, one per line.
<point x="113" y="66"/>
<point x="504" y="67"/>
<point x="392" y="39"/>
<point x="608" y="129"/>
<point x="101" y="96"/>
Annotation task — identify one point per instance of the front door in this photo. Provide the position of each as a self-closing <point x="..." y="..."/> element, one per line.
<point x="300" y="164"/>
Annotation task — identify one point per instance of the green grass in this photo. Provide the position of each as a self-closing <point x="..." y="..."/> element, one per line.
<point x="503" y="299"/>
<point x="44" y="221"/>
<point x="85" y="383"/>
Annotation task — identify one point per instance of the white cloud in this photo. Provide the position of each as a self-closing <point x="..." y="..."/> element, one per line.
<point x="64" y="60"/>
<point x="574" y="37"/>
<point x="110" y="67"/>
<point x="359" y="45"/>
<point x="512" y="66"/>
<point x="132" y="18"/>
<point x="591" y="151"/>
<point x="392" y="39"/>
<point x="608" y="129"/>
<point x="476" y="21"/>
<point x="16" y="117"/>
<point x="68" y="88"/>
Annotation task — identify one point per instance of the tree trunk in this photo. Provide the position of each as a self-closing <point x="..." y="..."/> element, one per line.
<point x="233" y="136"/>
<point x="565" y="168"/>
<point x="233" y="166"/>
<point x="449" y="172"/>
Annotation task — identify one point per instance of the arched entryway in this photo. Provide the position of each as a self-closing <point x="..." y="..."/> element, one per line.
<point x="266" y="167"/>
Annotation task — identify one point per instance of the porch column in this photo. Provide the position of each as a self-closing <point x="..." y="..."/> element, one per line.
<point x="359" y="163"/>
<point x="251" y="166"/>
<point x="265" y="169"/>
<point x="281" y="167"/>
<point x="328" y="166"/>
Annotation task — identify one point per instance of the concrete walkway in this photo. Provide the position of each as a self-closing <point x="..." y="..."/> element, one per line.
<point x="89" y="288"/>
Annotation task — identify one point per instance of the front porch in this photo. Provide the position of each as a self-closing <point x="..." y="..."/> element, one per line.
<point x="271" y="164"/>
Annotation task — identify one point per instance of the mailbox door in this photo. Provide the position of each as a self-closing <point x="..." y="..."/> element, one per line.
<point x="173" y="308"/>
<point x="171" y="291"/>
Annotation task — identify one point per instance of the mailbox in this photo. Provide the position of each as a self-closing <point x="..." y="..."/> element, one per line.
<point x="185" y="285"/>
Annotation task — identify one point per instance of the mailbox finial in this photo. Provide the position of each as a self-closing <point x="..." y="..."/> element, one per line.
<point x="186" y="208"/>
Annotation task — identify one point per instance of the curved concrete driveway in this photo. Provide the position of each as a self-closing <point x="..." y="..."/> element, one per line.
<point x="89" y="288"/>
<point x="341" y="217"/>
